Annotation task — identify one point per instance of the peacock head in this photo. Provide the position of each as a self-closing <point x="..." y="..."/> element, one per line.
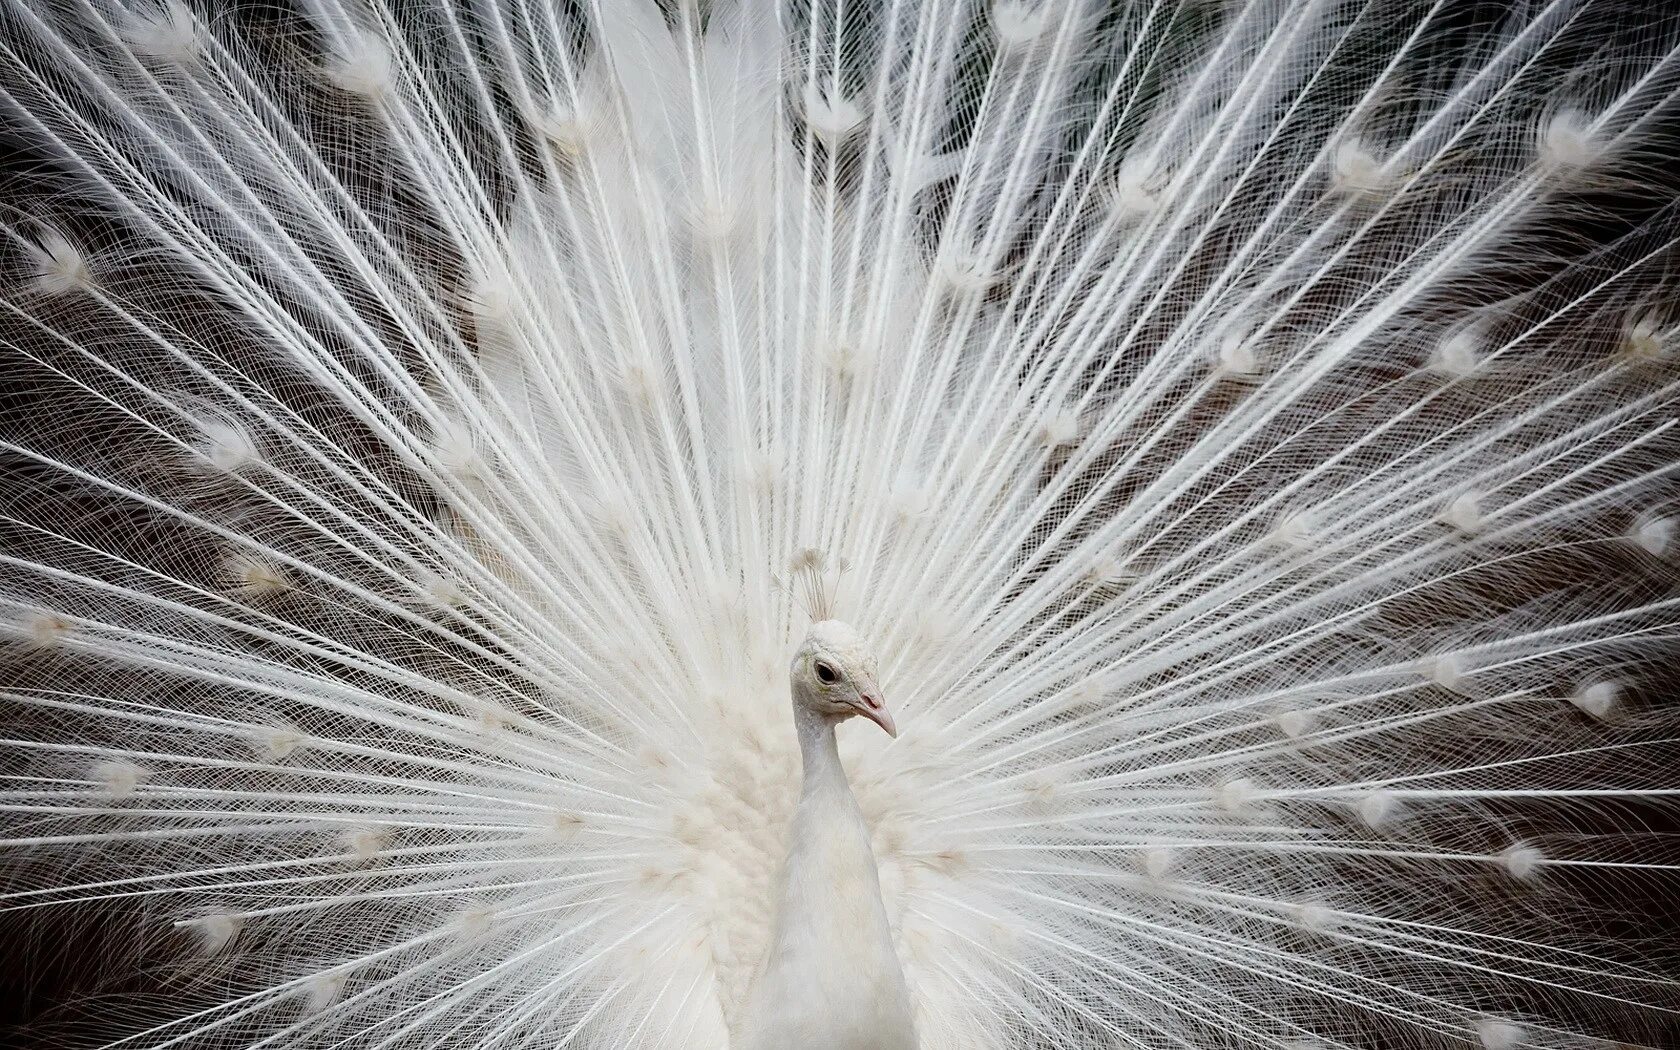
<point x="834" y="676"/>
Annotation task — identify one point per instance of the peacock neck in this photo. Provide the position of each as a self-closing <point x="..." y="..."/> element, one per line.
<point x="820" y="753"/>
<point x="830" y="979"/>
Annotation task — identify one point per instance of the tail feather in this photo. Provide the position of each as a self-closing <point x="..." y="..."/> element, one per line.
<point x="1246" y="430"/>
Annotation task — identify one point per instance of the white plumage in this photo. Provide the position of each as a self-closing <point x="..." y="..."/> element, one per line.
<point x="1240" y="433"/>
<point x="831" y="978"/>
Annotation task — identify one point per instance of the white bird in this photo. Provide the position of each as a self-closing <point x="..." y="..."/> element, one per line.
<point x="1240" y="435"/>
<point x="831" y="979"/>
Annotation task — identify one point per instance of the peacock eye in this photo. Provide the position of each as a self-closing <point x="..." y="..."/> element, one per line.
<point x="826" y="674"/>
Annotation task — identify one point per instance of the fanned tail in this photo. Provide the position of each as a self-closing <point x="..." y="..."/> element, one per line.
<point x="1247" y="429"/>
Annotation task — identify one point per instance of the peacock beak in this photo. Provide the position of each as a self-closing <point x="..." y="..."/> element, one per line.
<point x="871" y="707"/>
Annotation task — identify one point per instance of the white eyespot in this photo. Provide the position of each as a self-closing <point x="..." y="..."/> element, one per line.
<point x="1645" y="339"/>
<point x="1106" y="570"/>
<point x="1445" y="670"/>
<point x="1236" y="351"/>
<point x="455" y="448"/>
<point x="1235" y="796"/>
<point x="1295" y="722"/>
<point x="1087" y="697"/>
<point x="438" y="591"/>
<point x="1499" y="1035"/>
<point x="39" y="629"/>
<point x="493" y="296"/>
<point x="846" y="359"/>
<point x="807" y="559"/>
<point x="276" y="743"/>
<point x="224" y="444"/>
<point x="1465" y="513"/>
<point x="1567" y="141"/>
<point x="1355" y="169"/>
<point x="1039" y="792"/>
<point x="1134" y="191"/>
<point x="1315" y="917"/>
<point x="1057" y="429"/>
<point x="1458" y="355"/>
<point x="641" y="379"/>
<point x="1522" y="861"/>
<point x="490" y="719"/>
<point x="322" y="991"/>
<point x="254" y="578"/>
<point x="1237" y="358"/>
<point x="1597" y="699"/>
<point x="474" y="922"/>
<point x="1018" y="24"/>
<point x="1297" y="530"/>
<point x="830" y="115"/>
<point x="559" y="825"/>
<point x="1378" y="808"/>
<point x="763" y="469"/>
<point x="713" y="216"/>
<point x="1653" y="535"/>
<point x="362" y="65"/>
<point x="367" y="842"/>
<point x="119" y="777"/>
<point x="909" y="500"/>
<point x="60" y="267"/>
<point x="967" y="269"/>
<point x="167" y="33"/>
<point x="217" y="931"/>
<point x="612" y="516"/>
<point x="568" y="130"/>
